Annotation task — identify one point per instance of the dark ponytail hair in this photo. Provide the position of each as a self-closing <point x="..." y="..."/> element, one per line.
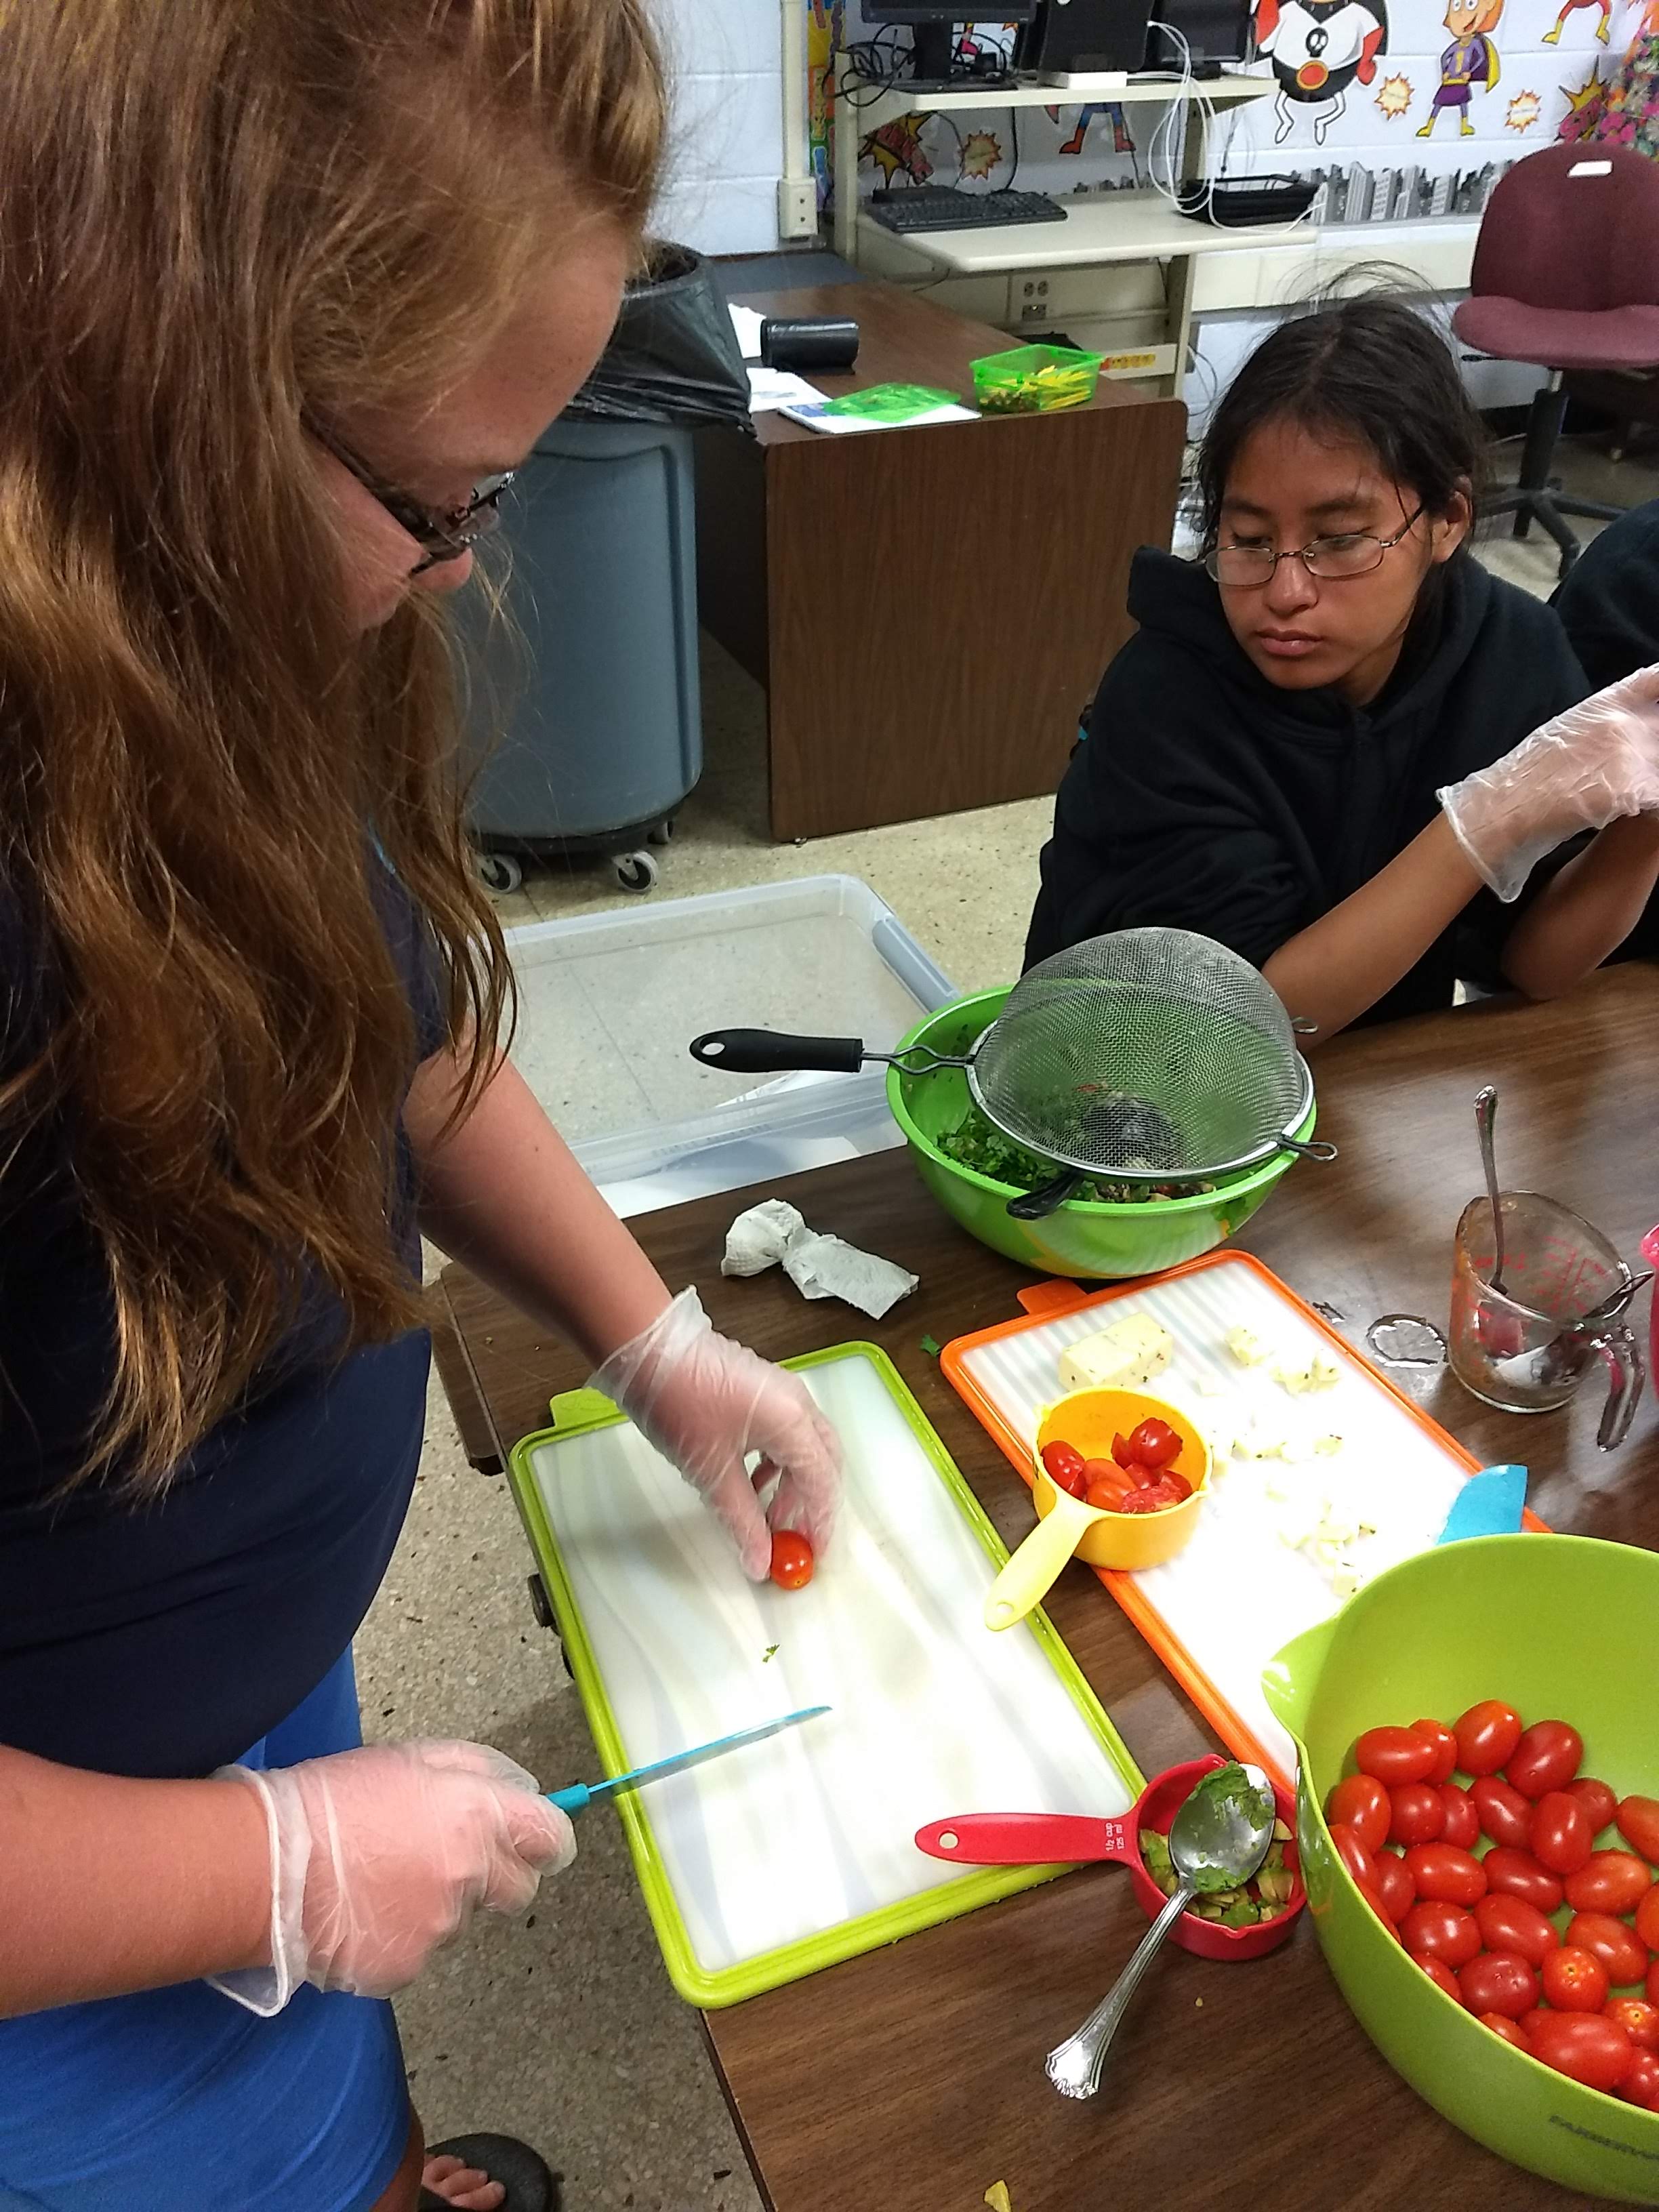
<point x="1371" y="368"/>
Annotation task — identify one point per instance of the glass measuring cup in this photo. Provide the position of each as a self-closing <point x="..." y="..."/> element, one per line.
<point x="1528" y="1347"/>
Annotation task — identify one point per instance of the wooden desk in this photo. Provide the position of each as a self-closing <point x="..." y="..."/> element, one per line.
<point x="928" y="609"/>
<point x="909" y="2080"/>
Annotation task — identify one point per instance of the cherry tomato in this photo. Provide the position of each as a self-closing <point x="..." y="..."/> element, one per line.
<point x="1369" y="1894"/>
<point x="1393" y="1884"/>
<point x="1505" y="1815"/>
<point x="1650" y="1987"/>
<point x="1416" y="1814"/>
<point x="1170" y="1479"/>
<point x="1641" y="2084"/>
<point x="1528" y="2022"/>
<point x="1511" y="2030"/>
<point x="1608" y="1881"/>
<point x="1155" y="1443"/>
<point x="792" y="1560"/>
<point x="1597" y="1800"/>
<point x="1395" y="1755"/>
<point x="1363" y="1802"/>
<point x="1582" y="2045"/>
<point x="1561" y="1835"/>
<point x="1151" y="1498"/>
<point x="1638" y="1824"/>
<point x="1448" y="1876"/>
<point x="1103" y="1497"/>
<point x="1486" y="1736"/>
<point x="1638" y="2019"/>
<point x="1497" y="1982"/>
<point x="1352" y="1853"/>
<point x="1064" y="1464"/>
<point x="1647" y="1918"/>
<point x="1443" y="1977"/>
<point x="1441" y="1931"/>
<point x="1612" y="1943"/>
<point x="1546" y="1758"/>
<point x="1463" y="1825"/>
<point x="1518" y="1873"/>
<point x="1436" y="1733"/>
<point x="1575" y="1980"/>
<point x="1121" y="1451"/>
<point x="1510" y="1924"/>
<point x="1109" y="1486"/>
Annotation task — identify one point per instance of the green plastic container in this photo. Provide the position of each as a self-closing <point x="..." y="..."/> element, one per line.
<point x="1035" y="380"/>
<point x="1556" y="1626"/>
<point x="1090" y="1243"/>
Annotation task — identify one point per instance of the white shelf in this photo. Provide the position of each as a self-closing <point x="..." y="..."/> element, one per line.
<point x="873" y="109"/>
<point x="1114" y="227"/>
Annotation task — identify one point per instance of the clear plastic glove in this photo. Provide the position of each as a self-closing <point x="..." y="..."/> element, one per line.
<point x="380" y="1856"/>
<point x="707" y="1404"/>
<point x="1584" y="769"/>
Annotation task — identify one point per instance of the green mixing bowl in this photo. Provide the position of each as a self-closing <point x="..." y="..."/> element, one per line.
<point x="1554" y="1627"/>
<point x="1089" y="1241"/>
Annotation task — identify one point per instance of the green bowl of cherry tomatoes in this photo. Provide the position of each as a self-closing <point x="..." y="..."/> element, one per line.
<point x="1478" y="1821"/>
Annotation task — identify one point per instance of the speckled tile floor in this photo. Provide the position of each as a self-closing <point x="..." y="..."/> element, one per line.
<point x="564" y="2029"/>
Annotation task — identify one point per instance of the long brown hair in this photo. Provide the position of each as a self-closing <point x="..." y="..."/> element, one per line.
<point x="214" y="215"/>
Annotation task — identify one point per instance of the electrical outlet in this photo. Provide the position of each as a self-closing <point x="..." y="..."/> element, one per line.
<point x="798" y="207"/>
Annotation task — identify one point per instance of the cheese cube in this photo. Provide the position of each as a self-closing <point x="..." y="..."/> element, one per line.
<point x="1125" y="1357"/>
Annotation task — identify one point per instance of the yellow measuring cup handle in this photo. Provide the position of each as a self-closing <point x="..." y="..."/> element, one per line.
<point x="1030" y="1574"/>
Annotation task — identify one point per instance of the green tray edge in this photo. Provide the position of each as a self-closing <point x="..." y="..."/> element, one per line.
<point x="768" y="1970"/>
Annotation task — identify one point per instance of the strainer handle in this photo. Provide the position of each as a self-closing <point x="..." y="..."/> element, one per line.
<point x="1321" y="1148"/>
<point x="766" y="1051"/>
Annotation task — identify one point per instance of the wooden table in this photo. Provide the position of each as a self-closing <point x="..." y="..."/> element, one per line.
<point x="909" y="2080"/>
<point x="928" y="608"/>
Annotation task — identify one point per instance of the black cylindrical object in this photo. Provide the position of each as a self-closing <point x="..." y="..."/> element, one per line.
<point x="805" y="344"/>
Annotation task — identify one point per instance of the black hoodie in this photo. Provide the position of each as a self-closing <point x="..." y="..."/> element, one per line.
<point x="1609" y="604"/>
<point x="1205" y="798"/>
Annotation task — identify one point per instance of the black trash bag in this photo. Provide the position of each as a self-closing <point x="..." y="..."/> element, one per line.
<point x="674" y="356"/>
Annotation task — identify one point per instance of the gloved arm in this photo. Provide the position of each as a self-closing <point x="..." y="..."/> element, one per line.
<point x="378" y="1856"/>
<point x="1588" y="768"/>
<point x="707" y="1404"/>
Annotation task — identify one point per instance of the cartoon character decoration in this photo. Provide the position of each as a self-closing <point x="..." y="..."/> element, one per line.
<point x="1121" y="141"/>
<point x="1470" y="60"/>
<point x="1603" y="29"/>
<point x="896" y="149"/>
<point x="1318" y="48"/>
<point x="826" y="22"/>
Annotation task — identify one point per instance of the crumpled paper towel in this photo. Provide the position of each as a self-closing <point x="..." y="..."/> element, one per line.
<point x="818" y="1267"/>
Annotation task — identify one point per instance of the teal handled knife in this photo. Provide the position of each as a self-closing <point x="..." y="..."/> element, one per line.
<point x="580" y="1794"/>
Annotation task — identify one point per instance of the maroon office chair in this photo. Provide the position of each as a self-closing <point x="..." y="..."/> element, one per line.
<point x="1565" y="276"/>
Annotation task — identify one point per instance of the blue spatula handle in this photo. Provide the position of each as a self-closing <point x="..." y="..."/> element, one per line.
<point x="576" y="1798"/>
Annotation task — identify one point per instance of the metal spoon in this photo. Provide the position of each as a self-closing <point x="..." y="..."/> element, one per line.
<point x="1215" y="1843"/>
<point x="1613" y="1306"/>
<point x="1486" y="1115"/>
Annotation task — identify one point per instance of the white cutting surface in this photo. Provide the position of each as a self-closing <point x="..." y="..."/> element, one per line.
<point x="933" y="1714"/>
<point x="1238" y="1591"/>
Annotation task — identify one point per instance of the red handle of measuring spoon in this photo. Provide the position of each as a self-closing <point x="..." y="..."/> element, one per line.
<point x="1026" y="1840"/>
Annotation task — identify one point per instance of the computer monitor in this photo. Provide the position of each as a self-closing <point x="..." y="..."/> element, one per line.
<point x="1216" y="31"/>
<point x="934" y="27"/>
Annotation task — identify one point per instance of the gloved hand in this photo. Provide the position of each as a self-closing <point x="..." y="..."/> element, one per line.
<point x="380" y="1856"/>
<point x="706" y="1403"/>
<point x="1584" y="769"/>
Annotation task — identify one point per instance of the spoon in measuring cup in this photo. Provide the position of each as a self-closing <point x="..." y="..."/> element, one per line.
<point x="1218" y="1840"/>
<point x="1486" y="1116"/>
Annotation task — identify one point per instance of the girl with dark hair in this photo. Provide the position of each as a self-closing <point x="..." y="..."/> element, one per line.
<point x="1312" y="749"/>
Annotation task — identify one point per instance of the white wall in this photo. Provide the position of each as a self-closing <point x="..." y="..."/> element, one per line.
<point x="727" y="154"/>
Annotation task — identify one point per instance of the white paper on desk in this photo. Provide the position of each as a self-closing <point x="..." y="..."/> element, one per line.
<point x="815" y="419"/>
<point x="781" y="387"/>
<point x="747" y="325"/>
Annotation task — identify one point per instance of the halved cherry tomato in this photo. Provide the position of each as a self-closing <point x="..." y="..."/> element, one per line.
<point x="1497" y="1982"/>
<point x="1638" y="1824"/>
<point x="1582" y="2045"/>
<point x="1416" y="1814"/>
<point x="1638" y="2019"/>
<point x="1121" y="1451"/>
<point x="1109" y="1486"/>
<point x="1511" y="2030"/>
<point x="1104" y="1497"/>
<point x="1462" y="1822"/>
<point x="1352" y="1853"/>
<point x="1647" y="1918"/>
<point x="1510" y="1924"/>
<point x="1518" y="1873"/>
<point x="1363" y="1802"/>
<point x="1641" y="2084"/>
<point x="1561" y="1837"/>
<point x="1597" y="1800"/>
<point x="1608" y="1881"/>
<point x="1449" y="1875"/>
<point x="1151" y="1498"/>
<point x="1441" y="1976"/>
<point x="1436" y="1733"/>
<point x="1063" y="1463"/>
<point x="1441" y="1931"/>
<point x="1546" y="1758"/>
<point x="1486" y="1736"/>
<point x="1171" y="1479"/>
<point x="792" y="1560"/>
<point x="1395" y="1755"/>
<point x="1393" y="1883"/>
<point x="1505" y="1815"/>
<point x="1612" y="1943"/>
<point x="1154" y="1442"/>
<point x="1575" y="1980"/>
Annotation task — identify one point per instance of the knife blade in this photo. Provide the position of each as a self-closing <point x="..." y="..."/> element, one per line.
<point x="582" y="1793"/>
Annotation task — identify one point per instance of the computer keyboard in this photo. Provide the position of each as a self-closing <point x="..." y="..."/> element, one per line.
<point x="939" y="207"/>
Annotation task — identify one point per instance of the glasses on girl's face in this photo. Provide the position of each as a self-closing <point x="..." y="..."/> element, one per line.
<point x="440" y="536"/>
<point x="1355" y="553"/>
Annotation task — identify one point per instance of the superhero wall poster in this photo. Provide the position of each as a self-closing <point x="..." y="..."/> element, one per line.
<point x="1319" y="49"/>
